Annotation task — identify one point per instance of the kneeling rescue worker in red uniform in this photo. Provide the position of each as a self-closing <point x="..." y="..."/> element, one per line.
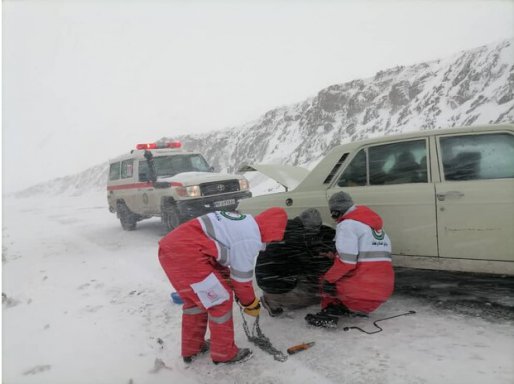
<point x="361" y="277"/>
<point x="208" y="260"/>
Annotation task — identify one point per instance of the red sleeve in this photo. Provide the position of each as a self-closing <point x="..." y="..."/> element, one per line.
<point x="244" y="292"/>
<point x="338" y="270"/>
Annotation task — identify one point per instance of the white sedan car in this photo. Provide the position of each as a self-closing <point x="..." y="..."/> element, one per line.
<point x="446" y="196"/>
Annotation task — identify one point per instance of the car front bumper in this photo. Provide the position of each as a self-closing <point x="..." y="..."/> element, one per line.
<point x="189" y="209"/>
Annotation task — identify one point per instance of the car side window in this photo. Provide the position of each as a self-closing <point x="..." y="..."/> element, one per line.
<point x="354" y="174"/>
<point x="143" y="170"/>
<point x="398" y="163"/>
<point x="114" y="171"/>
<point x="477" y="157"/>
<point x="127" y="169"/>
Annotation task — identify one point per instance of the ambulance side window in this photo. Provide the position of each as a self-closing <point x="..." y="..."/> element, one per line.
<point x="127" y="169"/>
<point x="143" y="171"/>
<point x="114" y="171"/>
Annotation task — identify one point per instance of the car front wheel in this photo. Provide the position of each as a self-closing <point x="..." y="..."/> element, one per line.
<point x="128" y="219"/>
<point x="170" y="218"/>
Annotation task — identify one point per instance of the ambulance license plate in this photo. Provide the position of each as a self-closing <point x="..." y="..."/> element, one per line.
<point x="224" y="203"/>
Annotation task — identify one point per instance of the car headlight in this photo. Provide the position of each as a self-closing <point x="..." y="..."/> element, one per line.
<point x="190" y="191"/>
<point x="244" y="185"/>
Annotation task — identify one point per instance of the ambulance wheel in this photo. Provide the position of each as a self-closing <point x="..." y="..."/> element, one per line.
<point x="128" y="219"/>
<point x="170" y="218"/>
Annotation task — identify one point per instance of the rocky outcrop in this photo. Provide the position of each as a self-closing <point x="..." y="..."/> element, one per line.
<point x="472" y="87"/>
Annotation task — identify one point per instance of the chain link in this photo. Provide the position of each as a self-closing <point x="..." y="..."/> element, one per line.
<point x="260" y="340"/>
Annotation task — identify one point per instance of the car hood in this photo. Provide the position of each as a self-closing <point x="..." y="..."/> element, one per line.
<point x="190" y="178"/>
<point x="286" y="175"/>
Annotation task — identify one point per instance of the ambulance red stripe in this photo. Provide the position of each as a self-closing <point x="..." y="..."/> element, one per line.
<point x="138" y="185"/>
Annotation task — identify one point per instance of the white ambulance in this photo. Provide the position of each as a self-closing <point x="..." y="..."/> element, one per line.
<point x="163" y="180"/>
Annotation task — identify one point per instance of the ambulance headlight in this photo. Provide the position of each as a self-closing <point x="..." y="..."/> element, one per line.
<point x="244" y="185"/>
<point x="189" y="191"/>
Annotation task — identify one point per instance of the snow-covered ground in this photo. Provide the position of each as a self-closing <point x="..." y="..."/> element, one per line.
<point x="86" y="302"/>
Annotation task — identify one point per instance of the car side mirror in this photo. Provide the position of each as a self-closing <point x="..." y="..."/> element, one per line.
<point x="152" y="175"/>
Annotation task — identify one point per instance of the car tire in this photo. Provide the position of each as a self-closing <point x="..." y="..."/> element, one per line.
<point x="170" y="217"/>
<point x="128" y="219"/>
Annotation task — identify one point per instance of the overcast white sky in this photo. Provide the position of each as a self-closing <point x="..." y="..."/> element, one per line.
<point x="83" y="81"/>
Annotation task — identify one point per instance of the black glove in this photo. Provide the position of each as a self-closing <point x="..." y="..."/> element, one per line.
<point x="329" y="288"/>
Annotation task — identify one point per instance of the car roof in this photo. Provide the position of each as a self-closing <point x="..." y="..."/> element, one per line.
<point x="425" y="133"/>
<point x="139" y="154"/>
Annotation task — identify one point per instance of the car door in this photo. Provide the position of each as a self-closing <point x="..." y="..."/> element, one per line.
<point x="126" y="192"/>
<point x="394" y="180"/>
<point x="475" y="198"/>
<point x="146" y="196"/>
<point x="113" y="184"/>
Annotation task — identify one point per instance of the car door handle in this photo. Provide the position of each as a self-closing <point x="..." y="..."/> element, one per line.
<point x="451" y="194"/>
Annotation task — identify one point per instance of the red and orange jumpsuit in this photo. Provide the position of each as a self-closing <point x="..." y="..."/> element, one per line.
<point x="362" y="271"/>
<point x="208" y="260"/>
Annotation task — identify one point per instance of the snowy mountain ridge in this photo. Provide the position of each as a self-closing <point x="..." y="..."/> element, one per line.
<point x="470" y="87"/>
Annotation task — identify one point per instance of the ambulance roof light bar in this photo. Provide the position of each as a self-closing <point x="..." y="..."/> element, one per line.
<point x="168" y="144"/>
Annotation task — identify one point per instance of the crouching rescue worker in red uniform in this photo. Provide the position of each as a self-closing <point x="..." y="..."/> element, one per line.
<point x="208" y="260"/>
<point x="361" y="277"/>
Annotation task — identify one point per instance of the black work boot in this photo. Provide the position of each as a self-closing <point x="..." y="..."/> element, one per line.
<point x="322" y="319"/>
<point x="336" y="310"/>
<point x="204" y="349"/>
<point x="242" y="355"/>
<point x="328" y="317"/>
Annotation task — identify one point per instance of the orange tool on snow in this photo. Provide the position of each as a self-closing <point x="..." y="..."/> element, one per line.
<point x="300" y="347"/>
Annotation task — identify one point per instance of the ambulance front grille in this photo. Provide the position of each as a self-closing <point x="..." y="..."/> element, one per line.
<point x="219" y="187"/>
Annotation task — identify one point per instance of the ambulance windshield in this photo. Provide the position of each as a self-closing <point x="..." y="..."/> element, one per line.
<point x="166" y="166"/>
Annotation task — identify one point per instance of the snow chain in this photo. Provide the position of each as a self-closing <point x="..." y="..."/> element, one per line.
<point x="258" y="338"/>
